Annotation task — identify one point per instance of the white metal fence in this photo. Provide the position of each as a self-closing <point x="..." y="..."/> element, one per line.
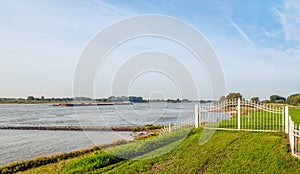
<point x="294" y="137"/>
<point x="187" y="122"/>
<point x="249" y="116"/>
<point x="241" y="115"/>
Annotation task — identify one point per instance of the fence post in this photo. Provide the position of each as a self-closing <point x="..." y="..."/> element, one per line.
<point x="286" y="115"/>
<point x="291" y="134"/>
<point x="239" y="113"/>
<point x="199" y="116"/>
<point x="196" y="116"/>
<point x="283" y="118"/>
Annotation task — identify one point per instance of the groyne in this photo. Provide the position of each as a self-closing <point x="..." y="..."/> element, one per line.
<point x="77" y="128"/>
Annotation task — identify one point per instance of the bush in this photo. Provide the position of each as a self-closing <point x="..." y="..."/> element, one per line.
<point x="293" y="99"/>
<point x="232" y="96"/>
<point x="277" y="98"/>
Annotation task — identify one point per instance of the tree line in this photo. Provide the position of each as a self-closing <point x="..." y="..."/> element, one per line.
<point x="293" y="99"/>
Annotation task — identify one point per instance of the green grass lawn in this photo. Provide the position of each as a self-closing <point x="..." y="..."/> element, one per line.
<point x="295" y="114"/>
<point x="225" y="152"/>
<point x="257" y="120"/>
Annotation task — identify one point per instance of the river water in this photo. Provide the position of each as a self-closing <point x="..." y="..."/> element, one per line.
<point x="18" y="145"/>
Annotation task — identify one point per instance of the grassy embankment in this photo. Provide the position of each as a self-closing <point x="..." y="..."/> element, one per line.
<point x="225" y="152"/>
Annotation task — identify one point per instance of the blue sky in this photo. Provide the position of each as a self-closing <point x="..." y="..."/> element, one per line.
<point x="257" y="43"/>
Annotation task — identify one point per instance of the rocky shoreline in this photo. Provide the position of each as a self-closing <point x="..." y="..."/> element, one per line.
<point x="77" y="128"/>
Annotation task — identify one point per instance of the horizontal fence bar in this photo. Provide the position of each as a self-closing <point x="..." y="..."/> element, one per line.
<point x="243" y="115"/>
<point x="246" y="130"/>
<point x="251" y="116"/>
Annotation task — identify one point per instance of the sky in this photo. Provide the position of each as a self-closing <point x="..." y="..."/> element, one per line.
<point x="257" y="44"/>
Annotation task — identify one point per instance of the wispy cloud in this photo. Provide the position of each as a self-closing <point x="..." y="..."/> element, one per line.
<point x="289" y="17"/>
<point x="119" y="12"/>
<point x="245" y="36"/>
<point x="266" y="32"/>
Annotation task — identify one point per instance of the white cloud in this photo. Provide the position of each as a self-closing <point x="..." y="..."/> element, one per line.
<point x="289" y="16"/>
<point x="245" y="36"/>
<point x="269" y="33"/>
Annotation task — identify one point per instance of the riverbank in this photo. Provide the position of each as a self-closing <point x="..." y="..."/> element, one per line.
<point x="225" y="152"/>
<point x="40" y="161"/>
<point x="44" y="160"/>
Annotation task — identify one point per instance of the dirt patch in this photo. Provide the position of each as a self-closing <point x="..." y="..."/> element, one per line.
<point x="161" y="165"/>
<point x="203" y="168"/>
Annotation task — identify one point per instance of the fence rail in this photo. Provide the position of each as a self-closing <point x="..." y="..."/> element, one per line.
<point x="241" y="115"/>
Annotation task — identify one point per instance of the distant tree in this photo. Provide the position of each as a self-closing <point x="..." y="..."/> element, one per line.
<point x="232" y="96"/>
<point x="255" y="99"/>
<point x="42" y="98"/>
<point x="293" y="99"/>
<point x="110" y="99"/>
<point x="30" y="98"/>
<point x="102" y="100"/>
<point x="81" y="99"/>
<point x="223" y="98"/>
<point x="38" y="99"/>
<point x="266" y="101"/>
<point x="136" y="99"/>
<point x="171" y="101"/>
<point x="185" y="100"/>
<point x="277" y="98"/>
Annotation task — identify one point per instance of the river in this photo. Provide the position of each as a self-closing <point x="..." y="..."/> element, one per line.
<point x="18" y="145"/>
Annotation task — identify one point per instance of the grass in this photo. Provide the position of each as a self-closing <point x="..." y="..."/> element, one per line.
<point x="41" y="161"/>
<point x="225" y="152"/>
<point x="254" y="120"/>
<point x="295" y="114"/>
<point x="260" y="120"/>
